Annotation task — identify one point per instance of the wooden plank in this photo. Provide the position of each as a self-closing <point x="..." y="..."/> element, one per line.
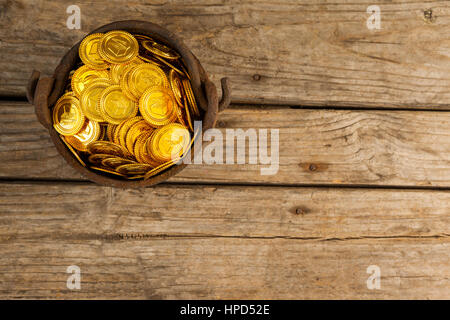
<point x="338" y="147"/>
<point x="193" y="242"/>
<point x="293" y="52"/>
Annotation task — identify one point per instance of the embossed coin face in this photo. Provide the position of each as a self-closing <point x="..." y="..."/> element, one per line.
<point x="83" y="76"/>
<point x="89" y="52"/>
<point x="89" y="133"/>
<point x="115" y="107"/>
<point x="157" y="106"/>
<point x="144" y="76"/>
<point x="68" y="118"/>
<point x="90" y="98"/>
<point x="160" y="50"/>
<point x="118" y="47"/>
<point x="170" y="142"/>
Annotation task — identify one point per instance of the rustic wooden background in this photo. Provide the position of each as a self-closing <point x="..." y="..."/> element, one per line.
<point x="364" y="173"/>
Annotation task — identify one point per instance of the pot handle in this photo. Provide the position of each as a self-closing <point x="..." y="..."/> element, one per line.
<point x="38" y="91"/>
<point x="226" y="94"/>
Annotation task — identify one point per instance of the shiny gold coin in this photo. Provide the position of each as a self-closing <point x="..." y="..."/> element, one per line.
<point x="98" y="158"/>
<point x="83" y="76"/>
<point x="115" y="162"/>
<point x="89" y="52"/>
<point x="110" y="131"/>
<point x="117" y="70"/>
<point x="108" y="171"/>
<point x="118" y="47"/>
<point x="68" y="118"/>
<point x="190" y="96"/>
<point x="125" y="128"/>
<point x="124" y="83"/>
<point x="75" y="154"/>
<point x="132" y="169"/>
<point x="141" y="150"/>
<point x="177" y="87"/>
<point x="91" y="96"/>
<point x="138" y="145"/>
<point x="134" y="132"/>
<point x="115" y="107"/>
<point x="89" y="133"/>
<point x="160" y="50"/>
<point x="106" y="147"/>
<point x="157" y="106"/>
<point x="144" y="76"/>
<point x="169" y="142"/>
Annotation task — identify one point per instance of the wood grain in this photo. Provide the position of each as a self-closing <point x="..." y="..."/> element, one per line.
<point x="130" y="244"/>
<point x="333" y="147"/>
<point x="292" y="52"/>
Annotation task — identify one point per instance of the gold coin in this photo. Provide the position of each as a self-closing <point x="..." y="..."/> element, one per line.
<point x="141" y="150"/>
<point x="108" y="171"/>
<point x="89" y="133"/>
<point x="89" y="52"/>
<point x="115" y="162"/>
<point x="169" y="142"/>
<point x="138" y="145"/>
<point x="98" y="158"/>
<point x="160" y="49"/>
<point x="76" y="155"/>
<point x="190" y="96"/>
<point x="125" y="128"/>
<point x="157" y="106"/>
<point x="134" y="132"/>
<point x="91" y="96"/>
<point x="83" y="76"/>
<point x="115" y="107"/>
<point x="106" y="147"/>
<point x="132" y="169"/>
<point x="177" y="87"/>
<point x="110" y="131"/>
<point x="124" y="83"/>
<point x="117" y="70"/>
<point x="118" y="47"/>
<point x="68" y="118"/>
<point x="144" y="76"/>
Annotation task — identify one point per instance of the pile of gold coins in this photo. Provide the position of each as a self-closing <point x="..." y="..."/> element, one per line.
<point x="127" y="107"/>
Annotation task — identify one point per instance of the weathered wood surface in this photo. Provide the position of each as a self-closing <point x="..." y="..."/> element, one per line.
<point x="400" y="148"/>
<point x="294" y="52"/>
<point x="222" y="242"/>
